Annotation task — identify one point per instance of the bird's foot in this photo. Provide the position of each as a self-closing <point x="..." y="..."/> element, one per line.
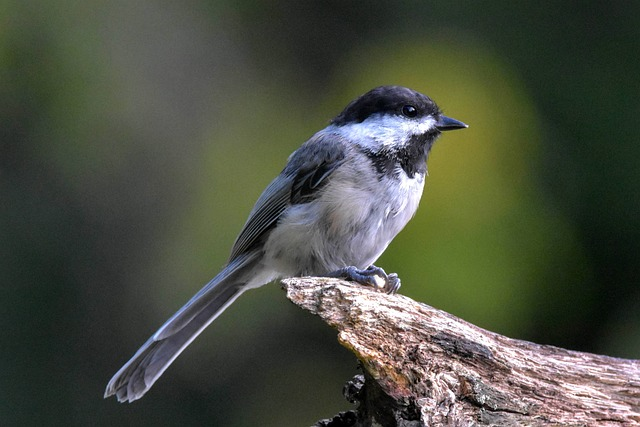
<point x="372" y="276"/>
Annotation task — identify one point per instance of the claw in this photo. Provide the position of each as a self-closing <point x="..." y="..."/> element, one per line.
<point x="372" y="276"/>
<point x="393" y="284"/>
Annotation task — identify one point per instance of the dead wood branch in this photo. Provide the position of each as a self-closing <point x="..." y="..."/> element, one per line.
<point x="423" y="366"/>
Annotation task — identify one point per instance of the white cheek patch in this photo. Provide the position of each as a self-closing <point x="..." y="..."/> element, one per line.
<point x="385" y="130"/>
<point x="423" y="126"/>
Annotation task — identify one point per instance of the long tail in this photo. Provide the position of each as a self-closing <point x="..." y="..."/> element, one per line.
<point x="137" y="376"/>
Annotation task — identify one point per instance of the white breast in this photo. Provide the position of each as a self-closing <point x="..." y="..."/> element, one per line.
<point x="351" y="223"/>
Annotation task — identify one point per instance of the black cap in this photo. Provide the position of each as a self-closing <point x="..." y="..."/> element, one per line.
<point x="387" y="100"/>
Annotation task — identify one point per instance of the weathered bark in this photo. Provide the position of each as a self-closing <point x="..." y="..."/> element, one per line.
<point x="423" y="366"/>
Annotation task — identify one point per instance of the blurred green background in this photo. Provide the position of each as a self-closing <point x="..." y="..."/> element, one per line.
<point x="136" y="136"/>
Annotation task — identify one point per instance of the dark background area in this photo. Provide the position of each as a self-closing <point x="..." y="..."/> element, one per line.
<point x="135" y="137"/>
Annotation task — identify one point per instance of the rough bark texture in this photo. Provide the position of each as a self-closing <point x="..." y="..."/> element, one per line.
<point x="423" y="366"/>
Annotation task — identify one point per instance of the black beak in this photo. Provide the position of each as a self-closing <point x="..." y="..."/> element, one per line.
<point x="447" y="123"/>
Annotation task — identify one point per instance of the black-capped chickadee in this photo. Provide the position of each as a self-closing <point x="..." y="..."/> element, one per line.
<point x="332" y="211"/>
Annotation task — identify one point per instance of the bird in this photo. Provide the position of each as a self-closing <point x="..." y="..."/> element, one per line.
<point x="340" y="200"/>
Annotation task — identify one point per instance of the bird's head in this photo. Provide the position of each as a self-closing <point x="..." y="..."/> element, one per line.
<point x="392" y="117"/>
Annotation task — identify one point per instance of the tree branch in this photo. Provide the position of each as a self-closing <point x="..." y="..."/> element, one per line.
<point x="423" y="366"/>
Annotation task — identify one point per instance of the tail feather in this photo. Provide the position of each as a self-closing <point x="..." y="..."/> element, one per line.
<point x="205" y="296"/>
<point x="135" y="378"/>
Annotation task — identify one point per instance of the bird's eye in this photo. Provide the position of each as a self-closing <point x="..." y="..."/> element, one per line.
<point x="409" y="111"/>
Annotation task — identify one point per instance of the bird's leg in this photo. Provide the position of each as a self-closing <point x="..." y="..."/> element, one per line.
<point x="372" y="276"/>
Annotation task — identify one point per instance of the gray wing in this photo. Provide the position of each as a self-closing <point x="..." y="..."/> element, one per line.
<point x="301" y="180"/>
<point x="270" y="205"/>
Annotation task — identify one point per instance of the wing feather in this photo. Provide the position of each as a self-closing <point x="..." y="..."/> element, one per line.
<point x="306" y="173"/>
<point x="273" y="201"/>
